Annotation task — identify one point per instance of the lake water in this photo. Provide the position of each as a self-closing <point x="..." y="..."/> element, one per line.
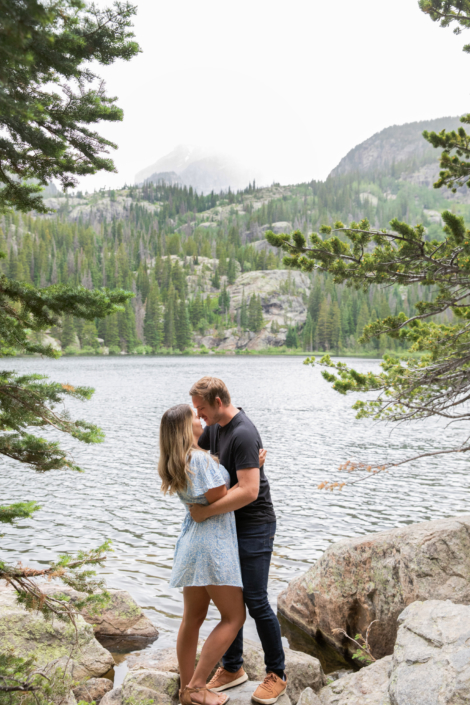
<point x="307" y="428"/>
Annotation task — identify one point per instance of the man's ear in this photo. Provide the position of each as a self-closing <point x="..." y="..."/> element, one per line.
<point x="218" y="401"/>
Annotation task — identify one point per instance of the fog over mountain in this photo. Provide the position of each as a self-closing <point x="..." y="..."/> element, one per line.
<point x="204" y="169"/>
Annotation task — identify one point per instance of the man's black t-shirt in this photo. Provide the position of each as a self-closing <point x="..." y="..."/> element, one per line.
<point x="237" y="446"/>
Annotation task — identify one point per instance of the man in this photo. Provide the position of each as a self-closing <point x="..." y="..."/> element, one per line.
<point x="231" y="436"/>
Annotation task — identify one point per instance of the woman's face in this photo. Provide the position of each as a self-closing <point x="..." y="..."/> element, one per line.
<point x="197" y="426"/>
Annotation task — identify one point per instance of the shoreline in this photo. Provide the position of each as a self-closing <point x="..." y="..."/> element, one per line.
<point x="224" y="353"/>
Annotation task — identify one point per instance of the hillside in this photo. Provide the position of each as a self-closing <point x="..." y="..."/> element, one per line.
<point x="203" y="275"/>
<point x="401" y="152"/>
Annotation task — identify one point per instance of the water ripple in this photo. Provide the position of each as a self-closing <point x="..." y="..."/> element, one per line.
<point x="307" y="428"/>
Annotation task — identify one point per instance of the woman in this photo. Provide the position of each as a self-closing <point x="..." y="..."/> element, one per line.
<point x="206" y="562"/>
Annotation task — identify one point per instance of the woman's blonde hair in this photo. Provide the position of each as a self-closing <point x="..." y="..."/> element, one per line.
<point x="176" y="444"/>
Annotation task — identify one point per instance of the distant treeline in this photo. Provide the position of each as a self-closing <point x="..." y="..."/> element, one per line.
<point x="153" y="253"/>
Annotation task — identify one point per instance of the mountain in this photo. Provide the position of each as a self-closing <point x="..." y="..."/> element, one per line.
<point x="399" y="148"/>
<point x="203" y="169"/>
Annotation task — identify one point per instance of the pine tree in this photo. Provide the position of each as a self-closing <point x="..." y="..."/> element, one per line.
<point x="196" y="310"/>
<point x="45" y="132"/>
<point x="216" y="280"/>
<point x="259" y="313"/>
<point x="224" y="300"/>
<point x="111" y="337"/>
<point x="126" y="325"/>
<point x="153" y="321"/>
<point x="68" y="332"/>
<point x="334" y="325"/>
<point x="243" y="313"/>
<point x="231" y="271"/>
<point x="292" y="340"/>
<point x="308" y="333"/>
<point x="323" y="328"/>
<point x="255" y="314"/>
<point x="169" y="319"/>
<point x="315" y="299"/>
<point x="89" y="335"/>
<point x="183" y="326"/>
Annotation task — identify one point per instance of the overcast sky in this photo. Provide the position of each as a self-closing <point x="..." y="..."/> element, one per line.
<point x="287" y="86"/>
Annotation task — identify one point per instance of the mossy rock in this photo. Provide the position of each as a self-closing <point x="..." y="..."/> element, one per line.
<point x="28" y="634"/>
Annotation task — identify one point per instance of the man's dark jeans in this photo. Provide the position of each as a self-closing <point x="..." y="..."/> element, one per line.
<point x="255" y="545"/>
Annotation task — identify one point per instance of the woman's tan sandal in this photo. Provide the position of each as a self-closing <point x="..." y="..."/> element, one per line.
<point x="186" y="699"/>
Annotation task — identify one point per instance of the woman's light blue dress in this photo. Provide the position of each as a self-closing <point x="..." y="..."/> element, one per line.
<point x="206" y="553"/>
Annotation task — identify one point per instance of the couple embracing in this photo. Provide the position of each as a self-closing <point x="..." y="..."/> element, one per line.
<point x="224" y="550"/>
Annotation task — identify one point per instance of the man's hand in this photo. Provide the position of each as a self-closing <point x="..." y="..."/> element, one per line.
<point x="198" y="512"/>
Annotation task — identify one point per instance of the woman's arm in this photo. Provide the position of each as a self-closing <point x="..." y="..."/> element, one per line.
<point x="215" y="494"/>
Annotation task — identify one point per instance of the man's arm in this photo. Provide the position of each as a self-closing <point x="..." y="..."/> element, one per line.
<point x="239" y="496"/>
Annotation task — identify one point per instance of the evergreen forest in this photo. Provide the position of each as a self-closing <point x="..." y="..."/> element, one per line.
<point x="201" y="272"/>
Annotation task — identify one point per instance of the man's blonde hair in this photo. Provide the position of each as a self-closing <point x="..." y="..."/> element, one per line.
<point x="209" y="388"/>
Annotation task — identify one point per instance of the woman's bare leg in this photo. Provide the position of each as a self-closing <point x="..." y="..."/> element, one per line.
<point x="196" y="604"/>
<point x="229" y="602"/>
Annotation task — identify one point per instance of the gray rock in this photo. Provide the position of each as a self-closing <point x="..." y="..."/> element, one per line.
<point x="336" y="675"/>
<point x="143" y="686"/>
<point x="114" y="697"/>
<point x="51" y="642"/>
<point x="369" y="686"/>
<point x="431" y="660"/>
<point x="374" y="577"/>
<point x="122" y="617"/>
<point x="93" y="690"/>
<point x="282" y="226"/>
<point x="308" y="697"/>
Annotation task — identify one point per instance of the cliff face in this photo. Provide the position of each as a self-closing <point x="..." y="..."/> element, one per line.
<point x="396" y="145"/>
<point x="283" y="297"/>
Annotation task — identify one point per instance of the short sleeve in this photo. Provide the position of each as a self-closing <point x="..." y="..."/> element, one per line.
<point x="206" y="475"/>
<point x="246" y="450"/>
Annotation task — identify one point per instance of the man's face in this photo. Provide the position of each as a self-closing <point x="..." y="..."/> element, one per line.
<point x="209" y="414"/>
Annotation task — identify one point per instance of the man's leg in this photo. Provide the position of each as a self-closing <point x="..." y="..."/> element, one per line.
<point x="255" y="545"/>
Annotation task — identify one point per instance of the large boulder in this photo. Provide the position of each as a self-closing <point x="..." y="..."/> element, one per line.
<point x="375" y="577"/>
<point x="122" y="617"/>
<point x="431" y="660"/>
<point x="303" y="671"/>
<point x="27" y="633"/>
<point x="145" y="686"/>
<point x="113" y="697"/>
<point x="308" y="697"/>
<point x="93" y="690"/>
<point x="369" y="686"/>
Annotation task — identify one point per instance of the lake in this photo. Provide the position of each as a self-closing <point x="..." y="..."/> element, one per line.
<point x="307" y="428"/>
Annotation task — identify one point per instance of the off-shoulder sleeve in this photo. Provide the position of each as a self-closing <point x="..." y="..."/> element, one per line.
<point x="206" y="475"/>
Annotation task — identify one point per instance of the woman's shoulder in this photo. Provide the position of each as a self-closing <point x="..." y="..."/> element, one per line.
<point x="199" y="457"/>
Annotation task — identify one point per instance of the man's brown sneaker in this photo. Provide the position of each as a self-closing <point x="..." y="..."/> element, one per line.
<point x="223" y="679"/>
<point x="270" y="690"/>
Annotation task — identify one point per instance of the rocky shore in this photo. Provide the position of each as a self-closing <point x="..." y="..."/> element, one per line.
<point x="414" y="581"/>
<point x="374" y="577"/>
